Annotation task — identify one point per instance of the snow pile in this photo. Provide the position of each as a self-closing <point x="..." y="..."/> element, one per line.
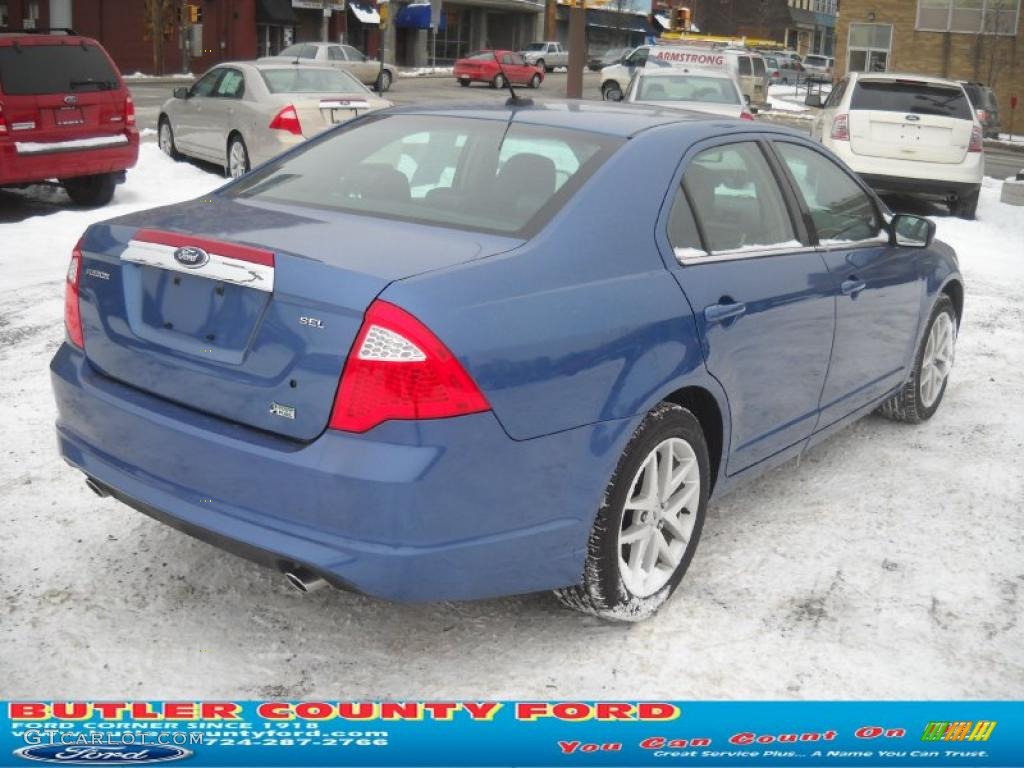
<point x="885" y="564"/>
<point x="425" y="71"/>
<point x="172" y="76"/>
<point x="790" y="98"/>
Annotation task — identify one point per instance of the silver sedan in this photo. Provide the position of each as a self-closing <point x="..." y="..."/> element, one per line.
<point x="369" y="71"/>
<point x="241" y="114"/>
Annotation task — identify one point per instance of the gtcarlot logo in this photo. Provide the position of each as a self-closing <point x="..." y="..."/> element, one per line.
<point x="104" y="755"/>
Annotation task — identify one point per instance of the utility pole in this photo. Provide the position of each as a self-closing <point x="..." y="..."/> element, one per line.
<point x="577" y="49"/>
<point x="551" y="20"/>
<point x="325" y="22"/>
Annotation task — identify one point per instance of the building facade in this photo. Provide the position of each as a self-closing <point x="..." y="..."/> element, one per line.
<point x="806" y="26"/>
<point x="976" y="40"/>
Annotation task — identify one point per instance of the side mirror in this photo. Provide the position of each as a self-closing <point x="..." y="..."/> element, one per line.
<point x="181" y="93"/>
<point x="813" y="100"/>
<point x="911" y="231"/>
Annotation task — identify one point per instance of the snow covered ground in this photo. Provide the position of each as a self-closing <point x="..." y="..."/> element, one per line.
<point x="886" y="563"/>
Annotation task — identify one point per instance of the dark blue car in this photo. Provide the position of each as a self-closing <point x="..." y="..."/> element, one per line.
<point x="452" y="354"/>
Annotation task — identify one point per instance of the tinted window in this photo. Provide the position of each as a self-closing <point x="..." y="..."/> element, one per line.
<point x="758" y="65"/>
<point x="232" y="85"/>
<point x="638" y="57"/>
<point x="911" y="97"/>
<point x="683" y="87"/>
<point x="840" y="209"/>
<point x="301" y="51"/>
<point x="303" y="80"/>
<point x="737" y="199"/>
<point x="205" y="85"/>
<point x="483" y="175"/>
<point x="353" y="53"/>
<point x="744" y="65"/>
<point x="682" y="228"/>
<point x="334" y="53"/>
<point x="35" y="69"/>
<point x="836" y="94"/>
<point x="816" y="61"/>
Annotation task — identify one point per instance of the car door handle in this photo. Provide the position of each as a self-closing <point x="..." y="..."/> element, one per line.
<point x="852" y="286"/>
<point x="721" y="313"/>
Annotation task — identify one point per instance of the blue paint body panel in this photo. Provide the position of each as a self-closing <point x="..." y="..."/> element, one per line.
<point x="573" y="335"/>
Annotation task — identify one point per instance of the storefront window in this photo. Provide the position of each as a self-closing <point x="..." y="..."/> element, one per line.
<point x="452" y="41"/>
<point x="987" y="17"/>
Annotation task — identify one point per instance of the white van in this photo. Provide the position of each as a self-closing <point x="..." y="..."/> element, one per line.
<point x="746" y="67"/>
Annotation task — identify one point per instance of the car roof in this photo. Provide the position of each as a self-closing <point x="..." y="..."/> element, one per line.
<point x="904" y="76"/>
<point x="38" y="38"/>
<point x="677" y="71"/>
<point x="609" y="118"/>
<point x="287" y="62"/>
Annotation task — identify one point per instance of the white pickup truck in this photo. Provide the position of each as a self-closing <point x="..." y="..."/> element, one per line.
<point x="546" y="54"/>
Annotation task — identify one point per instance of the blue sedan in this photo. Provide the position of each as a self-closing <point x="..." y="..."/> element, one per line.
<point x="443" y="354"/>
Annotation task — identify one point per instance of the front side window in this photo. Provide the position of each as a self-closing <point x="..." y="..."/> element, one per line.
<point x="334" y="53"/>
<point x="737" y="199"/>
<point x="206" y="84"/>
<point x="638" y="58"/>
<point x="841" y="211"/>
<point x="483" y="175"/>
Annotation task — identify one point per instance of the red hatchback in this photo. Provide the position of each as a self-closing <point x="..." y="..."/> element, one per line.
<point x="66" y="114"/>
<point x="483" y="67"/>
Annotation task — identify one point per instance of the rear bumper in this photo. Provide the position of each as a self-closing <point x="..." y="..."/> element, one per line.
<point x="896" y="175"/>
<point x="411" y="511"/>
<point x="885" y="183"/>
<point x="35" y="163"/>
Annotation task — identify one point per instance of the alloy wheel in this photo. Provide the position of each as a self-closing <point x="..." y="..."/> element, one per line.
<point x="238" y="160"/>
<point x="938" y="359"/>
<point x="659" y="516"/>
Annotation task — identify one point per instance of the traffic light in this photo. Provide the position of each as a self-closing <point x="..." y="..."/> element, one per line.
<point x="194" y="13"/>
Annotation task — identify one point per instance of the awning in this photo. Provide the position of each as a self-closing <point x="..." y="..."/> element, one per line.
<point x="365" y="13"/>
<point x="663" y="20"/>
<point x="417" y="16"/>
<point x="627" y="22"/>
<point x="276" y="12"/>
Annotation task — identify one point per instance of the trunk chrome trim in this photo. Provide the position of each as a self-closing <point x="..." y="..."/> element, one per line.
<point x="225" y="269"/>
<point x="43" y="147"/>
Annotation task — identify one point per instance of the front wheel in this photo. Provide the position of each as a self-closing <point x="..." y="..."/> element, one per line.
<point x="535" y="81"/>
<point x="498" y="81"/>
<point x="238" y="157"/>
<point x="921" y="395"/>
<point x="384" y="82"/>
<point x="464" y="83"/>
<point x="91" y="191"/>
<point x="540" y="63"/>
<point x="647" y="529"/>
<point x="611" y="92"/>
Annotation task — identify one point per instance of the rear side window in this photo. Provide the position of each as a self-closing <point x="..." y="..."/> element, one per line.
<point x="758" y="65"/>
<point x="737" y="199"/>
<point x="911" y="97"/>
<point x="682" y="228"/>
<point x="744" y="65"/>
<point x="40" y="69"/>
<point x="840" y="209"/>
<point x="483" y="175"/>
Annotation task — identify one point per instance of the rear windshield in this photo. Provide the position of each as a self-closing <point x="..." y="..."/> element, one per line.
<point x="911" y="97"/>
<point x="67" y="68"/>
<point x="758" y="65"/>
<point x="685" y="87"/>
<point x="300" y="80"/>
<point x="299" y="51"/>
<point x="816" y="61"/>
<point x="484" y="175"/>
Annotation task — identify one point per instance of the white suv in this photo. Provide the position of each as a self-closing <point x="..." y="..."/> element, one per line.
<point x="906" y="133"/>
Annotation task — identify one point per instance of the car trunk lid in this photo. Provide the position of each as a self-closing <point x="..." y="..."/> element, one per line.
<point x="910" y="120"/>
<point x="250" y="317"/>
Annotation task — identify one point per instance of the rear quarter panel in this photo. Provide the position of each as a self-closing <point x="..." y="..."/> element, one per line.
<point x="583" y="323"/>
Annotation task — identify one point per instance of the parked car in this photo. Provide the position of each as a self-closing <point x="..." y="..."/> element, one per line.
<point x="611" y="56"/>
<point x="368" y="71"/>
<point x="708" y="91"/>
<point x="497" y="68"/>
<point x="782" y="70"/>
<point x="457" y="353"/>
<point x="906" y="133"/>
<point x="745" y="66"/>
<point x="986" y="107"/>
<point x="615" y="77"/>
<point x="241" y="114"/>
<point x="546" y="55"/>
<point x="818" y="68"/>
<point x="65" y="114"/>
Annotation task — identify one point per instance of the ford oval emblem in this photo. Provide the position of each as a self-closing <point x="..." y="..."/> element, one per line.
<point x="913" y="118"/>
<point x="70" y="99"/>
<point x="191" y="257"/>
<point x="101" y="755"/>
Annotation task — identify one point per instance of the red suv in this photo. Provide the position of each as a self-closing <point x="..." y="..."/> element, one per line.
<point x="65" y="114"/>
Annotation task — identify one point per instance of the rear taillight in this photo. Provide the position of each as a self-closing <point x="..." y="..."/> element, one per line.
<point x="977" y="140"/>
<point x="398" y="369"/>
<point x="287" y="120"/>
<point x="72" y="313"/>
<point x="982" y="115"/>
<point x="3" y="121"/>
<point x="129" y="111"/>
<point x="776" y="74"/>
<point x="841" y="128"/>
<point x="746" y="115"/>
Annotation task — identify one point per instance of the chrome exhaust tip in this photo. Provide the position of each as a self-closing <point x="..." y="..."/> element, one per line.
<point x="303" y="580"/>
<point x="96" y="488"/>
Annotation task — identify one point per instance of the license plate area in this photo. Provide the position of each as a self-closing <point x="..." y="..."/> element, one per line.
<point x="66" y="116"/>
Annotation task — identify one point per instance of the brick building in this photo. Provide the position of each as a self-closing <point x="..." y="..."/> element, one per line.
<point x="978" y="40"/>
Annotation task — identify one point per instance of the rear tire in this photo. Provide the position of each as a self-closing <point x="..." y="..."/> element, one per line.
<point x="966" y="207"/>
<point x="922" y="394"/>
<point x="644" y="508"/>
<point x="464" y="83"/>
<point x="498" y="81"/>
<point x="238" y="157"/>
<point x="384" y="82"/>
<point x="540" y="63"/>
<point x="611" y="91"/>
<point x="91" y="191"/>
<point x="166" y="139"/>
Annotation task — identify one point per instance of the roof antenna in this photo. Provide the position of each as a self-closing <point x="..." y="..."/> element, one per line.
<point x="514" y="100"/>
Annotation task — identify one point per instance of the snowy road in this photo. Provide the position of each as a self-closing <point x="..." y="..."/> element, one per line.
<point x="888" y="563"/>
